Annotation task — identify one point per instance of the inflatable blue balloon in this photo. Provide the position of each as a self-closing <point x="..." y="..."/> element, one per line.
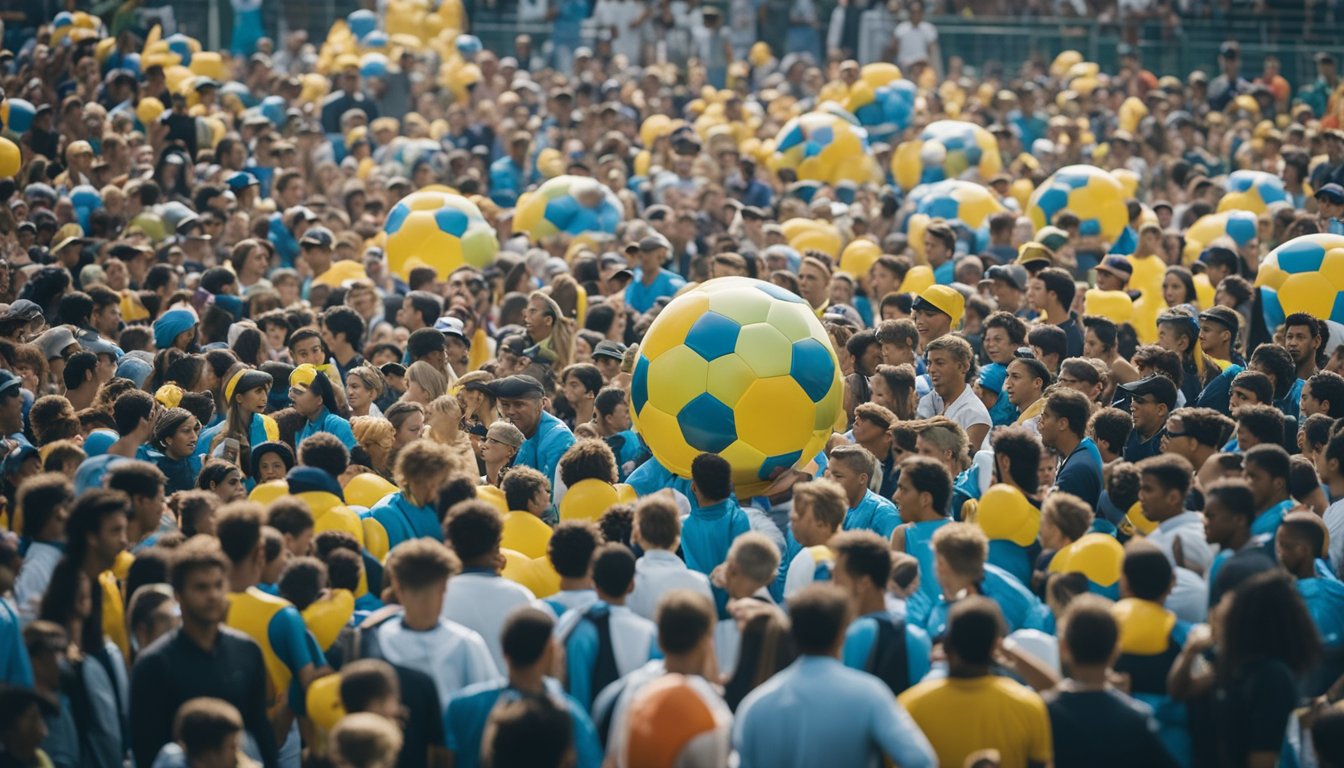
<point x="239" y="90"/>
<point x="888" y="114"/>
<point x="273" y="109"/>
<point x="85" y="200"/>
<point x="373" y="65"/>
<point x="468" y="45"/>
<point x="17" y="114"/>
<point x="361" y="23"/>
<point x="375" y="39"/>
<point x="181" y="45"/>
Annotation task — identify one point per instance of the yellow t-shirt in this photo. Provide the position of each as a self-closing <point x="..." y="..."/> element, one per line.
<point x="961" y="716"/>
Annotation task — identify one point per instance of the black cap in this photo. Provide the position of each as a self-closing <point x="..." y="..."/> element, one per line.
<point x="1224" y="316"/>
<point x="608" y="348"/>
<point x="1331" y="193"/>
<point x="520" y="387"/>
<point x="649" y="243"/>
<point x="1157" y="386"/>
<point x="392" y="369"/>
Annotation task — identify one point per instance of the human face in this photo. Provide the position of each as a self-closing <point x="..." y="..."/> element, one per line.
<point x="496" y="453"/>
<point x="11" y="412"/>
<point x="575" y="391"/>
<point x="1036" y="294"/>
<point x="524" y="413"/>
<point x="1021" y="386"/>
<point x="803" y="525"/>
<point x="946" y="372"/>
<point x="308" y="350"/>
<point x="109" y="541"/>
<point x="271" y="467"/>
<point x="253" y="400"/>
<point x="926" y="448"/>
<point x="1300" y="343"/>
<point x="931" y="324"/>
<point x="909" y="501"/>
<point x="410" y="429"/>
<point x="203" y="597"/>
<point x="853" y="482"/>
<point x="998" y="347"/>
<point x="1310" y="404"/>
<point x="26" y="733"/>
<point x="182" y="442"/>
<point x="1007" y="295"/>
<point x="1158" y="502"/>
<point x="935" y="250"/>
<point x="619" y="420"/>
<point x="812" y="283"/>
<point x="1080" y="385"/>
<point x="359" y="395"/>
<point x="884" y="281"/>
<point x="1173" y="290"/>
<point x="1213" y="337"/>
<point x="230" y="488"/>
<point x="306" y="401"/>
<point x="256" y="263"/>
<point x="1177" y="441"/>
<point x="1263" y="488"/>
<point x="1108" y="281"/>
<point x="537" y="320"/>
<point x="1240" y="397"/>
<point x="107" y="320"/>
<point x="1170" y="340"/>
<point x="881" y="393"/>
<point x="1220" y="525"/>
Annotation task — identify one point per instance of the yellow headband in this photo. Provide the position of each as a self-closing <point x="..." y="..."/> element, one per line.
<point x="233" y="384"/>
<point x="304" y="375"/>
<point x="169" y="395"/>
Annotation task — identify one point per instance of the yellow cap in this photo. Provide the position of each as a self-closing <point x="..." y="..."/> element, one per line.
<point x="945" y="299"/>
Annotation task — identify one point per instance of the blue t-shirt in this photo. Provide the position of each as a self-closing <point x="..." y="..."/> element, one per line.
<point x="404" y="521"/>
<point x="15" y="667"/>
<point x="872" y="513"/>
<point x="327" y="421"/>
<point x="1021" y="609"/>
<point x="1080" y="474"/>
<point x="862" y="635"/>
<point x="468" y="711"/>
<point x="640" y="297"/>
<point x="542" y="451"/>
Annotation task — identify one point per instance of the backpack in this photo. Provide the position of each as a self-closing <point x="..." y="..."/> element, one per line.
<point x="889" y="660"/>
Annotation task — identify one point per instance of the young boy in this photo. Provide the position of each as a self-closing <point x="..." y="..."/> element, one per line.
<point x="570" y="551"/>
<point x="657" y="531"/>
<point x="753" y="562"/>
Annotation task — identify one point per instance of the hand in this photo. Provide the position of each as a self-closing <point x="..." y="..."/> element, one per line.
<point x="1200" y="639"/>
<point x="719" y="576"/>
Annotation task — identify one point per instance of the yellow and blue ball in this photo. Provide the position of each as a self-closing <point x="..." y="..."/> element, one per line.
<point x="1252" y="191"/>
<point x="438" y="229"/>
<point x="884" y="110"/>
<point x="827" y="146"/>
<point x="1094" y="195"/>
<point x="1240" y="226"/>
<point x="741" y="368"/>
<point x="1305" y="274"/>
<point x="962" y="201"/>
<point x="570" y="204"/>
<point x="946" y="149"/>
<point x="17" y="115"/>
<point x="1099" y="557"/>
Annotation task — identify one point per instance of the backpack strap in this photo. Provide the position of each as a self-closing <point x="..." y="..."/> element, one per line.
<point x="889" y="659"/>
<point x="605" y="671"/>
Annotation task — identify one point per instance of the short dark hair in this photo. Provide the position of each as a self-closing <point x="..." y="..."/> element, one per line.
<point x="1328" y="386"/>
<point x="1038" y="369"/>
<point x="1058" y="282"/>
<point x="1010" y="324"/>
<point x="586" y="459"/>
<point x="364" y="681"/>
<point x="326" y="452"/>
<point x="528" y="731"/>
<point x="1050" y="338"/>
<point x="899" y="332"/>
<point x="571" y="548"/>
<point x="607" y="399"/>
<point x="1316" y="430"/>
<point x="196" y="554"/>
<point x="684" y="619"/>
<point x="1262" y="420"/>
<point x="1207" y="426"/>
<point x="1090" y="630"/>
<point x="818" y="616"/>
<point x="473" y="528"/>
<point x="75" y="308"/>
<point x="1235" y="495"/>
<point x="866" y="555"/>
<point x="136" y="478"/>
<point x="1148" y="573"/>
<point x="525" y="636"/>
<point x="1112" y="427"/>
<point x="130" y="409"/>
<point x="202" y="724"/>
<point x="1279" y="361"/>
<point x="39" y="497"/>
<point x="78" y="367"/>
<point x="1171" y="470"/>
<point x="302" y="581"/>
<point x="587" y="374"/>
<point x="1163" y="361"/>
<point x="974" y="625"/>
<point x="238" y="526"/>
<point x="520" y="484"/>
<point x="1257" y="383"/>
<point x="343" y="569"/>
<point x="1023" y="450"/>
<point x="427" y="305"/>
<point x="658" y="521"/>
<point x="929" y="476"/>
<point x="215" y="279"/>
<point x="712" y="475"/>
<point x="86" y="517"/>
<point x="422" y="563"/>
<point x="290" y="515"/>
<point x="1104" y="328"/>
<point x="347" y="322"/>
<point x="1071" y="406"/>
<point x="1270" y="457"/>
<point x="613" y="569"/>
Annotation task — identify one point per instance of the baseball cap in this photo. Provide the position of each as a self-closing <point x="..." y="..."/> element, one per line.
<point x="22" y="309"/>
<point x="1224" y="316"/>
<point x="1157" y="386"/>
<point x="608" y="348"/>
<point x="1033" y="252"/>
<point x="319" y="237"/>
<point x="1332" y="193"/>
<point x="1014" y="274"/>
<point x="944" y="299"/>
<point x="1118" y="266"/>
<point x="451" y="326"/>
<point x="518" y="387"/>
<point x="649" y="243"/>
<point x="9" y="383"/>
<point x="241" y="180"/>
<point x="54" y="341"/>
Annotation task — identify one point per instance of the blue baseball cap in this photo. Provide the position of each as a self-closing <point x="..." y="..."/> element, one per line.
<point x="241" y="180"/>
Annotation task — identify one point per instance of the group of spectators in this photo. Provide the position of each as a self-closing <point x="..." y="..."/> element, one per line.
<point x="268" y="500"/>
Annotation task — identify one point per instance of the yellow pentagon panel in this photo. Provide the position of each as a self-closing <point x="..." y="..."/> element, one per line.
<point x="1305" y="293"/>
<point x="765" y="350"/>
<point x="795" y="321"/>
<point x="831" y="405"/>
<point x="669" y="330"/>
<point x="1332" y="267"/>
<point x="673" y="452"/>
<point x="728" y="377"/>
<point x="743" y="303"/>
<point x="744" y="458"/>
<point x="676" y="377"/>
<point x="758" y="416"/>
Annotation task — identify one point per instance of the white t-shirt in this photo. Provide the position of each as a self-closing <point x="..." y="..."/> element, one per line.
<point x="656" y="573"/>
<point x="481" y="602"/>
<point x="34" y="578"/>
<point x="915" y="41"/>
<point x="810" y="565"/>
<point x="451" y="654"/>
<point x="1334" y="522"/>
<point x="1196" y="554"/>
<point x="633" y="638"/>
<point x="967" y="410"/>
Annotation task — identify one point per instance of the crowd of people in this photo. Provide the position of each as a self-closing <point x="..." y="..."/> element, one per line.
<point x="270" y="499"/>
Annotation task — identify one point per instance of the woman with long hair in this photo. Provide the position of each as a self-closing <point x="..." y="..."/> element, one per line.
<point x="1178" y="331"/>
<point x="765" y="648"/>
<point x="549" y="330"/>
<point x="1178" y="287"/>
<point x="424" y="383"/>
<point x="408" y="421"/>
<point x="444" y="417"/>
<point x="479" y="404"/>
<point x="173" y="449"/>
<point x="314" y="397"/>
<point x="245" y="393"/>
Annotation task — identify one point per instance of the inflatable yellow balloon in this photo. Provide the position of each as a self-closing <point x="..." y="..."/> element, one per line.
<point x="265" y="493"/>
<point x="536" y="574"/>
<point x="209" y="64"/>
<point x="440" y="230"/>
<point x="324" y="702"/>
<point x="917" y="279"/>
<point x="525" y="532"/>
<point x="626" y="494"/>
<point x="494" y="497"/>
<point x="10" y="159"/>
<point x="1138" y="521"/>
<point x="587" y="500"/>
<point x="1004" y="513"/>
<point x="148" y="110"/>
<point x="1147" y="280"/>
<point x="1098" y="556"/>
<point x="367" y="489"/>
<point x="859" y="256"/>
<point x="1113" y="305"/>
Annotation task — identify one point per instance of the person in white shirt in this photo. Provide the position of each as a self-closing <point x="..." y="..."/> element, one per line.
<point x="819" y="508"/>
<point x="44" y="501"/>
<point x="606" y="640"/>
<point x="1163" y="484"/>
<point x="479" y="598"/>
<point x="686" y="639"/>
<point x="418" y="637"/>
<point x="657" y="531"/>
<point x="951" y="366"/>
<point x="570" y="551"/>
<point x="917" y="40"/>
<point x="753" y="562"/>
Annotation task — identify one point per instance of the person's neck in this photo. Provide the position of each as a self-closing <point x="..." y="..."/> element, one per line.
<point x="951" y="392"/>
<point x="419" y="612"/>
<point x="610" y="599"/>
<point x="880" y="447"/>
<point x="1202" y="454"/>
<point x="1275" y="502"/>
<point x="529" y="680"/>
<point x="1146" y="432"/>
<point x="648" y="273"/>
<point x="873" y="601"/>
<point x="81" y="396"/>
<point x="1056" y="314"/>
<point x="344" y="356"/>
<point x="1236" y="540"/>
<point x="127" y="445"/>
<point x="1221" y="353"/>
<point x="583" y="412"/>
<point x="956" y="583"/>
<point x="926" y="514"/>
<point x="492" y="470"/>
<point x="959" y="671"/>
<point x="1305" y="570"/>
<point x="488" y="562"/>
<point x="690" y="663"/>
<point x="568" y="584"/>
<point x="1067" y="443"/>
<point x="1307" y="370"/>
<point x="243" y="576"/>
<point x="816" y="538"/>
<point x="1089" y="677"/>
<point x="202" y="633"/>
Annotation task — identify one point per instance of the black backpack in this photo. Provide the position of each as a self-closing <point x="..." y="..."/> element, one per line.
<point x="889" y="660"/>
<point x="604" y="671"/>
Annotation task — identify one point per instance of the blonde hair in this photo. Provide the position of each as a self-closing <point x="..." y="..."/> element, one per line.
<point x="431" y="379"/>
<point x="423" y="459"/>
<point x="446" y="405"/>
<point x="371" y="377"/>
<point x="562" y="332"/>
<point x="947" y="435"/>
<point x="371" y="430"/>
<point x="365" y="740"/>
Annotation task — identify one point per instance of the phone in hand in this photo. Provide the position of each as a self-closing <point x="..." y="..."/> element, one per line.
<point x="231" y="450"/>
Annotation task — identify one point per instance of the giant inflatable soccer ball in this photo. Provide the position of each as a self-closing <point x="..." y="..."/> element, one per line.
<point x="431" y="228"/>
<point x="1305" y="274"/>
<point x="1090" y="192"/>
<point x="741" y="368"/>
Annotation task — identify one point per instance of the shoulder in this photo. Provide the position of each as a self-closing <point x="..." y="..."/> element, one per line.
<point x="1018" y="695"/>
